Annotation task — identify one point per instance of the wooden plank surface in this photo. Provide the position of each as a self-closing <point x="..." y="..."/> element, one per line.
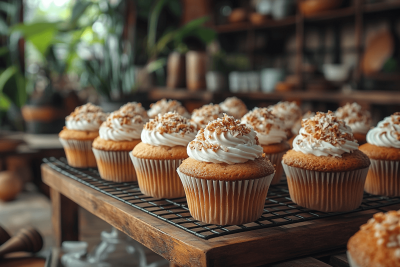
<point x="304" y="262"/>
<point x="251" y="248"/>
<point x="339" y="260"/>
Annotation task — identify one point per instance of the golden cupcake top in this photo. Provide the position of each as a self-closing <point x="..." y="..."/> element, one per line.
<point x="86" y="118"/>
<point x="235" y="107"/>
<point x="287" y="111"/>
<point x="269" y="128"/>
<point x="385" y="227"/>
<point x="163" y="106"/>
<point x="202" y="116"/>
<point x="170" y="129"/>
<point x="225" y="140"/>
<point x="354" y="116"/>
<point x="325" y="135"/>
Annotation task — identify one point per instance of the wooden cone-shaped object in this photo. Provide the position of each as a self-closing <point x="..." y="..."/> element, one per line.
<point x="28" y="240"/>
<point x="4" y="236"/>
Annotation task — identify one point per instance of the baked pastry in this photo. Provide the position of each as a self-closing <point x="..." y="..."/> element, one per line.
<point x="82" y="127"/>
<point x="164" y="106"/>
<point x="119" y="134"/>
<point x="383" y="149"/>
<point x="377" y="243"/>
<point x="162" y="150"/>
<point x="325" y="170"/>
<point x="289" y="113"/>
<point x="297" y="126"/>
<point x="271" y="136"/>
<point x="357" y="119"/>
<point x="235" y="107"/>
<point x="226" y="177"/>
<point x="202" y="116"/>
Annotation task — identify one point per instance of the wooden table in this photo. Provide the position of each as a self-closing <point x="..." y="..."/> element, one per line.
<point x="252" y="248"/>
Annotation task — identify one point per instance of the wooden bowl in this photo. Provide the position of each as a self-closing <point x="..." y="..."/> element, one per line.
<point x="258" y="18"/>
<point x="311" y="7"/>
<point x="8" y="144"/>
<point x="379" y="50"/>
<point x="237" y="15"/>
<point x="10" y="185"/>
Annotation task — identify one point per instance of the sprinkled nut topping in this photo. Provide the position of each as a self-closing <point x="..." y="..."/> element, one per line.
<point x="132" y="109"/>
<point x="227" y="124"/>
<point x="262" y="120"/>
<point x="352" y="113"/>
<point x="234" y="106"/>
<point x="88" y="113"/>
<point x="289" y="112"/>
<point x="385" y="227"/>
<point x="325" y="127"/>
<point x="170" y="122"/>
<point x="163" y="106"/>
<point x="205" y="114"/>
<point x="394" y="125"/>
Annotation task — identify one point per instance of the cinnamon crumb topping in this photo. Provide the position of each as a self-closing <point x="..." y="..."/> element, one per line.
<point x="234" y="107"/>
<point x="325" y="127"/>
<point x="170" y="122"/>
<point x="89" y="113"/>
<point x="286" y="111"/>
<point x="352" y="113"/>
<point x="163" y="106"/>
<point x="385" y="227"/>
<point x="132" y="109"/>
<point x="227" y="124"/>
<point x="205" y="114"/>
<point x="262" y="120"/>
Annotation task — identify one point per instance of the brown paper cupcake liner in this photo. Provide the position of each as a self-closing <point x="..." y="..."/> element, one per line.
<point x="326" y="191"/>
<point x="383" y="178"/>
<point x="225" y="202"/>
<point x="276" y="160"/>
<point x="115" y="166"/>
<point x="79" y="153"/>
<point x="158" y="178"/>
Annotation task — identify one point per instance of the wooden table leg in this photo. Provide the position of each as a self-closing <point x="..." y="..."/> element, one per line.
<point x="64" y="218"/>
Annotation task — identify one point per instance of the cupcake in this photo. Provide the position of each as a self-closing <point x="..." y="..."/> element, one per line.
<point x="82" y="127"/>
<point x="235" y="107"/>
<point x="383" y="149"/>
<point x="297" y="126"/>
<point x="226" y="177"/>
<point x="289" y="113"/>
<point x="163" y="106"/>
<point x="357" y="119"/>
<point x="325" y="170"/>
<point x="162" y="150"/>
<point x="271" y="136"/>
<point x="119" y="134"/>
<point x="377" y="243"/>
<point x="202" y="116"/>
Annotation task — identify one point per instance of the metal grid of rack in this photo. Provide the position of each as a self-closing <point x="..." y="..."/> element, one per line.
<point x="278" y="209"/>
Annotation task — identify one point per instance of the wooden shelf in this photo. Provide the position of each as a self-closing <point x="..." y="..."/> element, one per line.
<point x="379" y="7"/>
<point x="245" y="26"/>
<point x="251" y="248"/>
<point x="372" y="97"/>
<point x="332" y="14"/>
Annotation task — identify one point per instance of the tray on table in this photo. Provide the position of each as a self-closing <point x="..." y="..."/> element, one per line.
<point x="284" y="231"/>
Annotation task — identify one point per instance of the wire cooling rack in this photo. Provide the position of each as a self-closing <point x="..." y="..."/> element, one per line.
<point x="278" y="209"/>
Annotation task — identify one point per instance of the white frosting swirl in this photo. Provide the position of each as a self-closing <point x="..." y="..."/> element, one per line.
<point x="170" y="129"/>
<point x="288" y="112"/>
<point x="269" y="128"/>
<point x="126" y="124"/>
<point x="387" y="133"/>
<point x="163" y="106"/>
<point x="325" y="135"/>
<point x="297" y="126"/>
<point x="202" y="116"/>
<point x="234" y="107"/>
<point x="225" y="141"/>
<point x="85" y="118"/>
<point x="354" y="116"/>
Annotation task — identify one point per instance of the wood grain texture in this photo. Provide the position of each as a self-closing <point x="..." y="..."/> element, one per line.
<point x="339" y="260"/>
<point x="304" y="262"/>
<point x="251" y="248"/>
<point x="64" y="218"/>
